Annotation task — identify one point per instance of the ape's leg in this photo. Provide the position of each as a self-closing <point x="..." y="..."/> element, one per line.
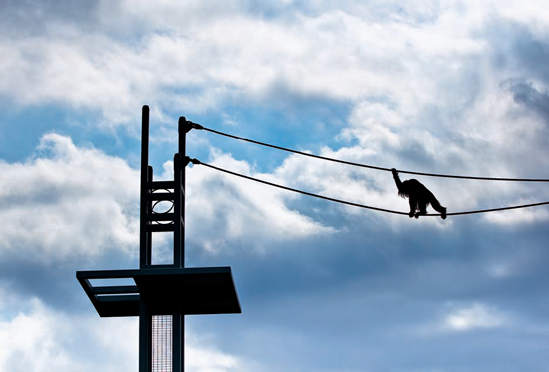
<point x="413" y="206"/>
<point x="422" y="206"/>
<point x="439" y="208"/>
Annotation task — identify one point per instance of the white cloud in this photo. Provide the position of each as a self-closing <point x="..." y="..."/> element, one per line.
<point x="362" y="186"/>
<point x="372" y="124"/>
<point x="476" y="316"/>
<point x="519" y="216"/>
<point x="75" y="202"/>
<point x="211" y="52"/>
<point x="460" y="318"/>
<point x="199" y="359"/>
<point x="421" y="77"/>
<point x="221" y="207"/>
<point x="29" y="344"/>
<point x="41" y="339"/>
<point x="68" y="202"/>
<point x="406" y="52"/>
<point x="45" y="340"/>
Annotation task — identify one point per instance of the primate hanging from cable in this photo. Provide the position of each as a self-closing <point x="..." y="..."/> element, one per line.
<point x="419" y="196"/>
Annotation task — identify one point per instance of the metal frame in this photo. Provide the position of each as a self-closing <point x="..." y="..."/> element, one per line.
<point x="198" y="290"/>
<point x="168" y="289"/>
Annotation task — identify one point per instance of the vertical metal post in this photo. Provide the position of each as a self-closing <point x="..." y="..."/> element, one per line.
<point x="182" y="130"/>
<point x="143" y="239"/>
<point x="145" y="339"/>
<point x="179" y="196"/>
<point x="178" y="317"/>
<point x="178" y="341"/>
<point x="178" y="229"/>
<point x="179" y="244"/>
<point x="148" y="210"/>
<point x="182" y="147"/>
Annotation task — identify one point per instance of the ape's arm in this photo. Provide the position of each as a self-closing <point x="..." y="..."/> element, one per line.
<point x="406" y="192"/>
<point x="397" y="180"/>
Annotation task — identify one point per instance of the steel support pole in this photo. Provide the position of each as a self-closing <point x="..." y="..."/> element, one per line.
<point x="179" y="195"/>
<point x="178" y="323"/>
<point x="145" y="337"/>
<point x="178" y="201"/>
<point x="148" y="233"/>
<point x="178" y="339"/>
<point x="144" y="260"/>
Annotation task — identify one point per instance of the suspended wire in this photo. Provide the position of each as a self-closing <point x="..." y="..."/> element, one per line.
<point x="200" y="127"/>
<point x="198" y="162"/>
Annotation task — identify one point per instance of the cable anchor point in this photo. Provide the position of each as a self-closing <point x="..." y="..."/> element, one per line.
<point x="188" y="160"/>
<point x="186" y="125"/>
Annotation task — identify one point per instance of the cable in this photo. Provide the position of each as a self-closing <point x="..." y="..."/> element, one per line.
<point x="198" y="162"/>
<point x="200" y="127"/>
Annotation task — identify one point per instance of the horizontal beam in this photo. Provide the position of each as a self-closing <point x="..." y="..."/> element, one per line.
<point x="160" y="185"/>
<point x="115" y="298"/>
<point x="161" y="196"/>
<point x="117" y="289"/>
<point x="134" y="273"/>
<point x="163" y="227"/>
<point x="160" y="216"/>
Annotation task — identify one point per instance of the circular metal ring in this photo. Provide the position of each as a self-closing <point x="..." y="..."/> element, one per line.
<point x="165" y="212"/>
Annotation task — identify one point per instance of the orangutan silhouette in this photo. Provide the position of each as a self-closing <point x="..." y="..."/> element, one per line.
<point x="419" y="197"/>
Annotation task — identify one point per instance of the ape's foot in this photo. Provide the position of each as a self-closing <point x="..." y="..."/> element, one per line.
<point x="411" y="214"/>
<point x="443" y="214"/>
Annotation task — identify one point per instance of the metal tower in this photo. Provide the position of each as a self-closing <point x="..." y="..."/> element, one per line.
<point x="163" y="293"/>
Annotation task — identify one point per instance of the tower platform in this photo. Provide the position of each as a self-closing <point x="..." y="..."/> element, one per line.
<point x="207" y="290"/>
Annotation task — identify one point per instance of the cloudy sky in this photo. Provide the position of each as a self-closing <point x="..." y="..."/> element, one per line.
<point x="439" y="86"/>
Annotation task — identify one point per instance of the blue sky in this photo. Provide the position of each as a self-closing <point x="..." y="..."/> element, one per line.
<point x="441" y="86"/>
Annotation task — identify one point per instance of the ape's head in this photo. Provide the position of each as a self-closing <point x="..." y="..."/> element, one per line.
<point x="404" y="190"/>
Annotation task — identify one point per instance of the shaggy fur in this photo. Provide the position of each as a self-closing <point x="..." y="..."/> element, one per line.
<point x="419" y="196"/>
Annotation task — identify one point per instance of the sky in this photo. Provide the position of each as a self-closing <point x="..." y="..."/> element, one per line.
<point x="438" y="86"/>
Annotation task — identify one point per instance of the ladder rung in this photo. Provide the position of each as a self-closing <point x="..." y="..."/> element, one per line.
<point x="158" y="185"/>
<point x="160" y="216"/>
<point x="161" y="227"/>
<point x="161" y="196"/>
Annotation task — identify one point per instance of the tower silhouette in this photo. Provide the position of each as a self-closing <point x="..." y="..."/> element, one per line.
<point x="162" y="294"/>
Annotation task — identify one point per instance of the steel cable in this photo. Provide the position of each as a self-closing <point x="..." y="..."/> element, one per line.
<point x="198" y="162"/>
<point x="200" y="127"/>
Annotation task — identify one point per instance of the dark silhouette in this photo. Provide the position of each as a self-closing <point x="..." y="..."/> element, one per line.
<point x="162" y="294"/>
<point x="419" y="196"/>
